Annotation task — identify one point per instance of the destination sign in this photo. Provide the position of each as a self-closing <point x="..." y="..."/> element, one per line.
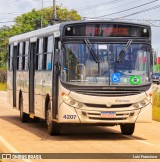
<point x="106" y="30"/>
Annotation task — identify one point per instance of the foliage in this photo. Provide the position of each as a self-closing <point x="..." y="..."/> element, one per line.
<point x="3" y="75"/>
<point x="3" y="79"/>
<point x="4" y="36"/>
<point x="32" y="21"/>
<point x="3" y="87"/>
<point x="156" y="105"/>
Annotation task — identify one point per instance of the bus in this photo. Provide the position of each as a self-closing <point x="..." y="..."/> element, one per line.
<point x="89" y="72"/>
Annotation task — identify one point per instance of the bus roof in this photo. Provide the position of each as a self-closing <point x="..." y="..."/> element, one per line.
<point x="54" y="28"/>
<point x="103" y="21"/>
<point x="40" y="32"/>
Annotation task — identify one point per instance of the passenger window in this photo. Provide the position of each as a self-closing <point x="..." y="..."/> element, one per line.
<point x="10" y="57"/>
<point x="39" y="54"/>
<point x="45" y="46"/>
<point x="49" y="63"/>
<point x="23" y="55"/>
<point x="26" y="55"/>
<point x="18" y="55"/>
<point x="49" y="53"/>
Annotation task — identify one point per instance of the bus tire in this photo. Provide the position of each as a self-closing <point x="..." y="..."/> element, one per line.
<point x="127" y="129"/>
<point x="23" y="116"/>
<point x="53" y="127"/>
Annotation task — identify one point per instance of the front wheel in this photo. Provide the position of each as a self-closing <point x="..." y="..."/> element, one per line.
<point x="127" y="129"/>
<point x="23" y="116"/>
<point x="53" y="127"/>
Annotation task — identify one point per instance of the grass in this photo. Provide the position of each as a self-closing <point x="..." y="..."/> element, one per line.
<point x="3" y="87"/>
<point x="156" y="105"/>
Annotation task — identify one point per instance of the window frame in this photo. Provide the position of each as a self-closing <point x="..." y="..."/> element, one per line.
<point x="44" y="53"/>
<point x="10" y="57"/>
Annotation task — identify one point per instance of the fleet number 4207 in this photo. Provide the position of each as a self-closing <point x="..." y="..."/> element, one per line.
<point x="69" y="116"/>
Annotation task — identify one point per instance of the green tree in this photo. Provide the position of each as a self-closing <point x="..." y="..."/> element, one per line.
<point x="4" y="36"/>
<point x="32" y="21"/>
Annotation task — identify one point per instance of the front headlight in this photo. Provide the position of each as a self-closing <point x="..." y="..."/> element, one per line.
<point x="142" y="103"/>
<point x="69" y="101"/>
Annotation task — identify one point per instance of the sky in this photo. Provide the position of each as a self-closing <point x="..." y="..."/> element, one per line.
<point x="127" y="10"/>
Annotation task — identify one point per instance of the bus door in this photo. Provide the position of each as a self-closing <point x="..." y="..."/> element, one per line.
<point x="15" y="50"/>
<point x="32" y="56"/>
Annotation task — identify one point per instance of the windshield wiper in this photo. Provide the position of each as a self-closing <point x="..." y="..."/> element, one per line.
<point x="95" y="57"/>
<point x="123" y="52"/>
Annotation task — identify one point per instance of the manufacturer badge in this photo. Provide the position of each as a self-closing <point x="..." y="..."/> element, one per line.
<point x="108" y="104"/>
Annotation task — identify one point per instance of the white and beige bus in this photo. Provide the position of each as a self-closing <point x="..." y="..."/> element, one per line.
<point x="83" y="72"/>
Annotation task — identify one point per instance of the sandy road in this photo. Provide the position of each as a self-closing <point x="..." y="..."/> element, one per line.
<point x="33" y="138"/>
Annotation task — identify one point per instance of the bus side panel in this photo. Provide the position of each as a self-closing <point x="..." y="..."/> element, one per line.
<point x="10" y="87"/>
<point x="25" y="91"/>
<point x="46" y="87"/>
<point x="22" y="85"/>
<point x="18" y="87"/>
<point x="38" y="94"/>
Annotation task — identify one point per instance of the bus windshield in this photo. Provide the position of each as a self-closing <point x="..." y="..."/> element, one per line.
<point x="79" y="66"/>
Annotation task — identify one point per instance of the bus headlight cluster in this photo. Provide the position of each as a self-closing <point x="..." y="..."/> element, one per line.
<point x="69" y="101"/>
<point x="142" y="103"/>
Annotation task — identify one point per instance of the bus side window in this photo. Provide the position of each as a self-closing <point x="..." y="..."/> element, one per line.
<point x="45" y="46"/>
<point x="49" y="53"/>
<point x="37" y="52"/>
<point x="40" y="53"/>
<point x="23" y="56"/>
<point x="26" y="55"/>
<point x="18" y="55"/>
<point x="9" y="57"/>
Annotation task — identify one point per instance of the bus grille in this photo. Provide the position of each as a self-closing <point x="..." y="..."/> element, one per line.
<point x="108" y="93"/>
<point x="89" y="105"/>
<point x="119" y="115"/>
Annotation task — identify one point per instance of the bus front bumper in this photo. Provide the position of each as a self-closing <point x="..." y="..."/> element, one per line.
<point x="68" y="114"/>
